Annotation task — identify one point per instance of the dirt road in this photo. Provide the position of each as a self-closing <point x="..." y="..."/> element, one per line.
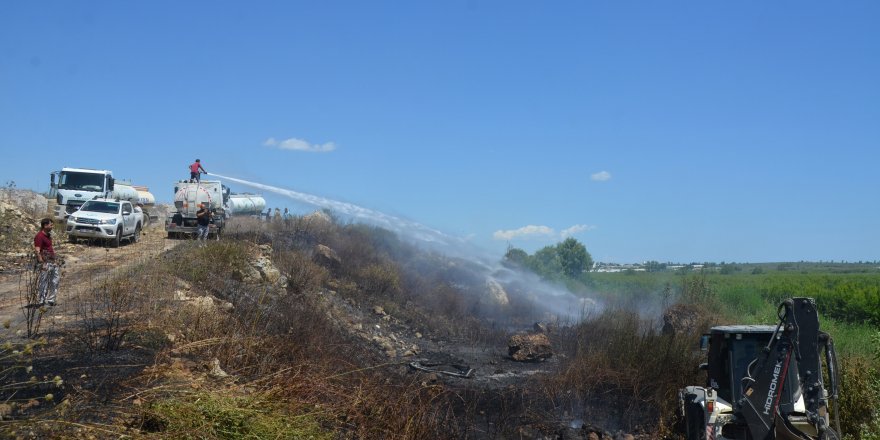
<point x="83" y="262"/>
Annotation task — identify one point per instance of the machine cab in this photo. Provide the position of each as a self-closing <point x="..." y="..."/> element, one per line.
<point x="731" y="349"/>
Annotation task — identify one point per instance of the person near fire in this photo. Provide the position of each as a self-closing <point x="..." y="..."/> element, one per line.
<point x="195" y="170"/>
<point x="50" y="274"/>
<point x="203" y="217"/>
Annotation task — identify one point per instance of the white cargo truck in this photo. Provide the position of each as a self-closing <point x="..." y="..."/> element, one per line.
<point x="71" y="187"/>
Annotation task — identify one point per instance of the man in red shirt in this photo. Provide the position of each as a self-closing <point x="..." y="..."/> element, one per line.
<point x="50" y="276"/>
<point x="194" y="170"/>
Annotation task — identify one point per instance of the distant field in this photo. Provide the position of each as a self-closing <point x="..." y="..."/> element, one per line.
<point x="848" y="295"/>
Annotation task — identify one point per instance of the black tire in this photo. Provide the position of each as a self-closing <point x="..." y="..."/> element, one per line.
<point x="137" y="234"/>
<point x="114" y="242"/>
<point x="71" y="238"/>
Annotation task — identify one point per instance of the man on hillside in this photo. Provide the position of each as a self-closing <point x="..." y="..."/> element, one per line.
<point x="195" y="171"/>
<point x="50" y="275"/>
<point x="203" y="217"/>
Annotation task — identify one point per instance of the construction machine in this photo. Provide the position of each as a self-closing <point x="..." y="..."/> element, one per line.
<point x="766" y="381"/>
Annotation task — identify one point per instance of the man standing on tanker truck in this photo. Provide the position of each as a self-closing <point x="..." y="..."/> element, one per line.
<point x="195" y="171"/>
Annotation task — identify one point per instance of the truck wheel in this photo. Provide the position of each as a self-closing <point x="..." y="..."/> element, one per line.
<point x="137" y="234"/>
<point x="71" y="238"/>
<point x="114" y="242"/>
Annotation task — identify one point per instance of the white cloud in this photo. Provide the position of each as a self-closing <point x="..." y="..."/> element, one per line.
<point x="568" y="232"/>
<point x="601" y="176"/>
<point x="525" y="231"/>
<point x="299" y="145"/>
<point x="532" y="231"/>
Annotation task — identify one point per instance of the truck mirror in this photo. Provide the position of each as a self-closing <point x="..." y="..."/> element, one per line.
<point x="704" y="342"/>
<point x="110" y="182"/>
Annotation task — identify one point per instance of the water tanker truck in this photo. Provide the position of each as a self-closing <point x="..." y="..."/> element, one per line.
<point x="71" y="187"/>
<point x="188" y="196"/>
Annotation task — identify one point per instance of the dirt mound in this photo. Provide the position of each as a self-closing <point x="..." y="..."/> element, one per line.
<point x="35" y="205"/>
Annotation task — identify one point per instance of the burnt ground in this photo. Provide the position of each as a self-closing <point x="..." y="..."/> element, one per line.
<point x="96" y="378"/>
<point x="504" y="398"/>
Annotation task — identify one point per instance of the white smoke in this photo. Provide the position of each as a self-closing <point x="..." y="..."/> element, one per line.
<point x="555" y="299"/>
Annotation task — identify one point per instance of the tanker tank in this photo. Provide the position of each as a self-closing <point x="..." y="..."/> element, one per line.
<point x="189" y="195"/>
<point x="245" y="204"/>
<point x="145" y="197"/>
<point x="124" y="191"/>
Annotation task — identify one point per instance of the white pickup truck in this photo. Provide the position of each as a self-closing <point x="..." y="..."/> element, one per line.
<point x="107" y="219"/>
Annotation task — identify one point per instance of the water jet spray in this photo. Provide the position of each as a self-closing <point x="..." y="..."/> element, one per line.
<point x="554" y="299"/>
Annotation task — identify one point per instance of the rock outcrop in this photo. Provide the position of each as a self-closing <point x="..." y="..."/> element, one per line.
<point x="318" y="218"/>
<point x="261" y="269"/>
<point x="20" y="214"/>
<point x="497" y="294"/>
<point x="324" y="256"/>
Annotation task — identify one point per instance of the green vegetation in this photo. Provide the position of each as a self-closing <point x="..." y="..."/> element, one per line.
<point x="848" y="302"/>
<point x="566" y="260"/>
<point x="217" y="416"/>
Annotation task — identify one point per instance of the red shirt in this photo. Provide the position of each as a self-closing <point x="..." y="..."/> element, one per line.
<point x="44" y="242"/>
<point x="194" y="168"/>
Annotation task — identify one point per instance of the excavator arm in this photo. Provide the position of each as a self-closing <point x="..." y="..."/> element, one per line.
<point x="787" y="370"/>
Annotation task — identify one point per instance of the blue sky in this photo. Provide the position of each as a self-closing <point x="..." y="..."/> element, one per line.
<point x="670" y="131"/>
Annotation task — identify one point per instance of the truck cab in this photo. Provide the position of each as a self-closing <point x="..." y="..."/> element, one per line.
<point x="110" y="220"/>
<point x="72" y="187"/>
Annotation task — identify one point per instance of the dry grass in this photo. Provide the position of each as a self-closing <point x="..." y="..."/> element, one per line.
<point x="622" y="358"/>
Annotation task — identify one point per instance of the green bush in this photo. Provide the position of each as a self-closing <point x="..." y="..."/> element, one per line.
<point x="208" y="266"/>
<point x="302" y="273"/>
<point x="379" y="279"/>
<point x="859" y="392"/>
<point x="215" y="416"/>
